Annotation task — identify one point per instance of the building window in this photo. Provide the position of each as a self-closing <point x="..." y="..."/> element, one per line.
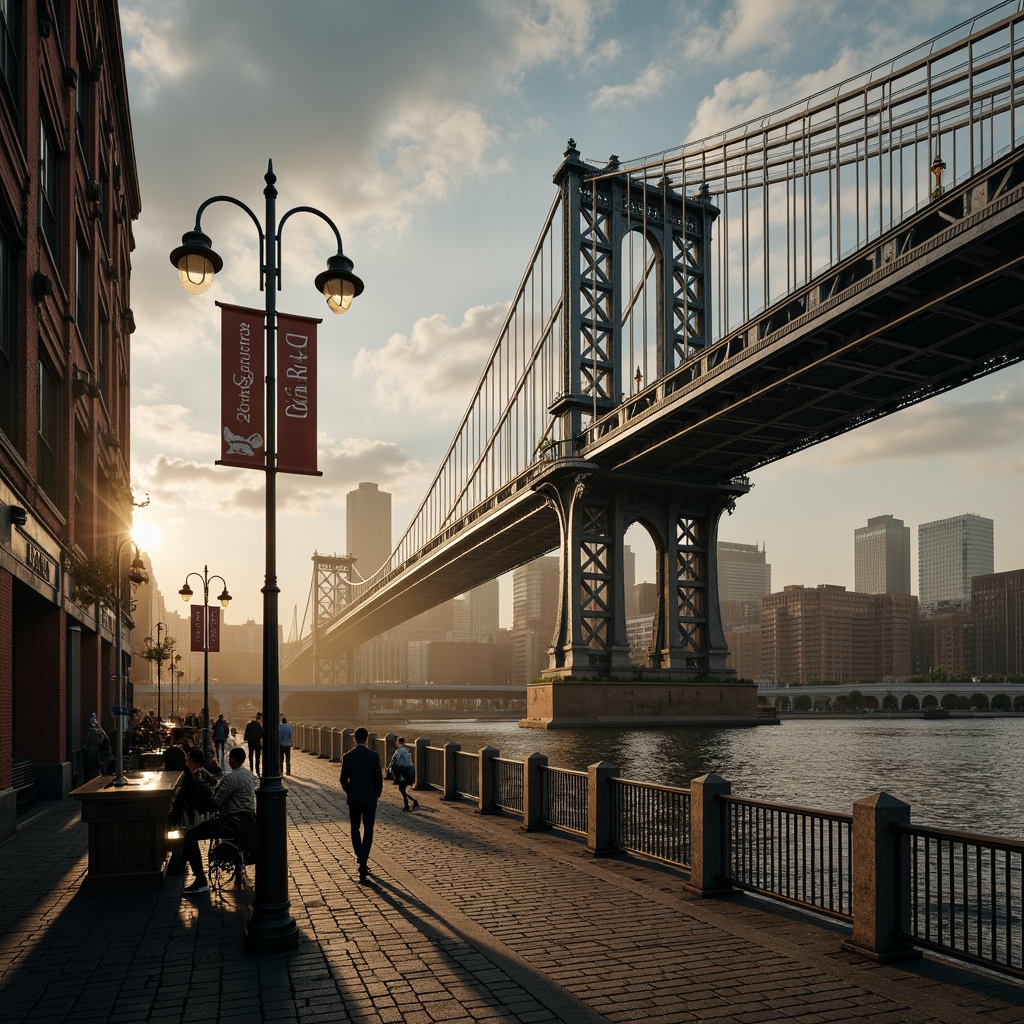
<point x="82" y="95"/>
<point x="48" y="460"/>
<point x="103" y="205"/>
<point x="49" y="190"/>
<point x="10" y="32"/>
<point x="82" y="289"/>
<point x="8" y="338"/>
<point x="102" y="353"/>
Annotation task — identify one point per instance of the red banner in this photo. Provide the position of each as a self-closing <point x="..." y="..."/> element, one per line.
<point x="198" y="633"/>
<point x="196" y="630"/>
<point x="213" y="639"/>
<point x="242" y="380"/>
<point x="296" y="394"/>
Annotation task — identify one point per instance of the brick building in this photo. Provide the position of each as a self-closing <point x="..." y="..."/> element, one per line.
<point x="997" y="606"/>
<point x="69" y="193"/>
<point x="830" y="634"/>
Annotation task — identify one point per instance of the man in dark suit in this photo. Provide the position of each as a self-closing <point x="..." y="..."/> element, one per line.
<point x="362" y="779"/>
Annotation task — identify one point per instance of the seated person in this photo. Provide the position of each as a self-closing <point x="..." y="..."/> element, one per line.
<point x="175" y="759"/>
<point x="194" y="791"/>
<point x="234" y="799"/>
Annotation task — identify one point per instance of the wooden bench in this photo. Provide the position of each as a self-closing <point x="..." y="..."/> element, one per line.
<point x="23" y="782"/>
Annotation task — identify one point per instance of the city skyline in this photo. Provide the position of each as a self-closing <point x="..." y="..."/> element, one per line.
<point x="439" y="179"/>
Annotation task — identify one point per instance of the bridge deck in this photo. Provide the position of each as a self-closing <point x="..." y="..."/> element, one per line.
<point x="466" y="919"/>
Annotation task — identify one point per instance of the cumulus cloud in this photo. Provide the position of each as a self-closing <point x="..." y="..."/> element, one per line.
<point x="168" y="425"/>
<point x="432" y="369"/>
<point x="744" y="26"/>
<point x="982" y="431"/>
<point x="650" y="83"/>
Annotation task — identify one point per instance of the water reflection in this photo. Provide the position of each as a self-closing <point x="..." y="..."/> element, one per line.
<point x="960" y="773"/>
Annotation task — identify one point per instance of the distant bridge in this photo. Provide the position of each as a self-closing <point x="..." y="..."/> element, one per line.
<point x="354" y="703"/>
<point x="875" y="693"/>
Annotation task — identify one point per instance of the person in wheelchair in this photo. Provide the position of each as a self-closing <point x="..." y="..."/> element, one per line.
<point x="195" y="790"/>
<point x="234" y="800"/>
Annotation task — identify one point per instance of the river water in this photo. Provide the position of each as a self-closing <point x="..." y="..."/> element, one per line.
<point x="958" y="773"/>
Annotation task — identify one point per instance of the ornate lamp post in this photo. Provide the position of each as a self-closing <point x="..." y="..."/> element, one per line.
<point x="225" y="597"/>
<point x="136" y="574"/>
<point x="271" y="926"/>
<point x="155" y="651"/>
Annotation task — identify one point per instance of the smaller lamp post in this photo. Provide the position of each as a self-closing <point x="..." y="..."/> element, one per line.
<point x="225" y="597"/>
<point x="136" y="574"/>
<point x="155" y="652"/>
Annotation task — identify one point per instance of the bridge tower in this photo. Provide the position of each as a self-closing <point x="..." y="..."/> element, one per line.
<point x="332" y="591"/>
<point x="595" y="505"/>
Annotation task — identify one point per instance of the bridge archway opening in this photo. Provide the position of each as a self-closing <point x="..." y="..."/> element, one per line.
<point x="643" y="299"/>
<point x="641" y="601"/>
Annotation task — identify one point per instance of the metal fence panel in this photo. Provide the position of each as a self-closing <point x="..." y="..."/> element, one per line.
<point x="792" y="853"/>
<point x="564" y="799"/>
<point x="651" y="820"/>
<point x="966" y="897"/>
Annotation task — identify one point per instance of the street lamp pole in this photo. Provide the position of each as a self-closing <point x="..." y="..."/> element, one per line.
<point x="225" y="597"/>
<point x="271" y="927"/>
<point x="136" y="574"/>
<point x="157" y="655"/>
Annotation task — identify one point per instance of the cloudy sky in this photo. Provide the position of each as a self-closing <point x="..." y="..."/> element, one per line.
<point x="429" y="130"/>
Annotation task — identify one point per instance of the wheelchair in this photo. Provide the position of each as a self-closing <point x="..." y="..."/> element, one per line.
<point x="229" y="856"/>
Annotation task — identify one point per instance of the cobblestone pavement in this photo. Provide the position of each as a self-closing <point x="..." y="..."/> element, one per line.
<point x="466" y="918"/>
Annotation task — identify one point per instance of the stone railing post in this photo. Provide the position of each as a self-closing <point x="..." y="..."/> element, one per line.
<point x="533" y="806"/>
<point x="450" y="789"/>
<point x="599" y="806"/>
<point x="389" y="749"/>
<point x="879" y="861"/>
<point x="335" y="745"/>
<point x="347" y="743"/>
<point x="486" y="780"/>
<point x="314" y="740"/>
<point x="707" y="835"/>
<point x="323" y="750"/>
<point x="420" y="762"/>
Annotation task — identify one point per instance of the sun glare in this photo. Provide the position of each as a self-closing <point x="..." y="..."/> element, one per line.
<point x="146" y="535"/>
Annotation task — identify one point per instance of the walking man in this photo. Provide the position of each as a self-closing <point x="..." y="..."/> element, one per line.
<point x="253" y="737"/>
<point x="220" y="739"/>
<point x="362" y="779"/>
<point x="286" y="745"/>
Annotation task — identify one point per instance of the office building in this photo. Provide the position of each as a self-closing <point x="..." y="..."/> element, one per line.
<point x="950" y="553"/>
<point x="368" y="527"/>
<point x="744" y="577"/>
<point x="997" y="607"/>
<point x="534" y="613"/>
<point x="881" y="557"/>
<point x="482" y="604"/>
<point x="70" y="193"/>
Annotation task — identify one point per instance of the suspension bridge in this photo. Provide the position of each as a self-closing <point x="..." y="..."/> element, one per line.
<point x="690" y="316"/>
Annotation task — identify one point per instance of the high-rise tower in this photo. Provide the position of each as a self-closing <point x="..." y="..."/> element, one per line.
<point x="368" y="527"/>
<point x="950" y="553"/>
<point x="881" y="557"/>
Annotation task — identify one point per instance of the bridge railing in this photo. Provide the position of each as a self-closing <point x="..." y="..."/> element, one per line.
<point x="957" y="893"/>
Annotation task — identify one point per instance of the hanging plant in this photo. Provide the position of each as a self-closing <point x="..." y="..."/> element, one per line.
<point x="93" y="579"/>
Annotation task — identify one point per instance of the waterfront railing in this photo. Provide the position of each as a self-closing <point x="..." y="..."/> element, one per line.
<point x="913" y="888"/>
<point x="964" y="895"/>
